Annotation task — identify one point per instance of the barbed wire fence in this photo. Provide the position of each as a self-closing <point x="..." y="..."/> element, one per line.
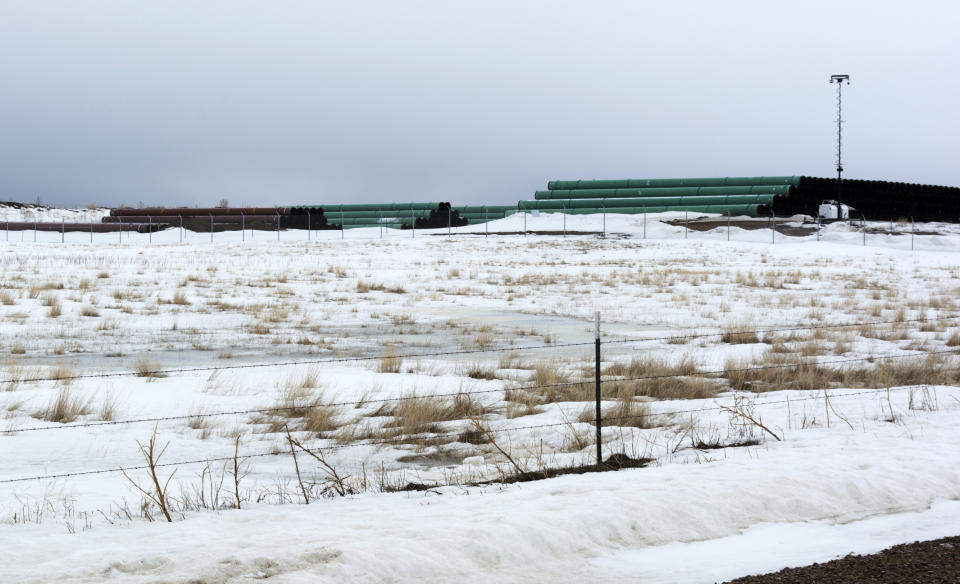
<point x="326" y="444"/>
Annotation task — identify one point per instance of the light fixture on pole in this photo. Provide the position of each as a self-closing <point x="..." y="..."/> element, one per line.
<point x="839" y="79"/>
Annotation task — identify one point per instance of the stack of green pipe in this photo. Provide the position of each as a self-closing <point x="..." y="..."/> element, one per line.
<point x="631" y="183"/>
<point x="661" y="192"/>
<point x="481" y="209"/>
<point x="645" y="202"/>
<point x="752" y="210"/>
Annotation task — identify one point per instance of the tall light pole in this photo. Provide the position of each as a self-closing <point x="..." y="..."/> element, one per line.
<point x="839" y="79"/>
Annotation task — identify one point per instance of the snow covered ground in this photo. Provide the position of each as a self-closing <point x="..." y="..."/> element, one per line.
<point x="326" y="328"/>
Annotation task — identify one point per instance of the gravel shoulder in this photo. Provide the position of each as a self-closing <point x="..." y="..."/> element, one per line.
<point x="930" y="562"/>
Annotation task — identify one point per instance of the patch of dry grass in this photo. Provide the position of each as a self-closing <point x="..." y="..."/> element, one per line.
<point x="146" y="367"/>
<point x="414" y="414"/>
<point x="391" y="362"/>
<point x="740" y="334"/>
<point x="64" y="408"/>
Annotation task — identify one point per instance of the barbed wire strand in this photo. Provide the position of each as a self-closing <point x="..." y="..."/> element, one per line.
<point x="307" y="407"/>
<point x="407" y="439"/>
<point x="177" y="371"/>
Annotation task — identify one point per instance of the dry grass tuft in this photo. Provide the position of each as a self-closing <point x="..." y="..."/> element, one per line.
<point x="480" y="371"/>
<point x="777" y="371"/>
<point x="391" y="362"/>
<point x="62" y="373"/>
<point x="659" y="378"/>
<point x="740" y="334"/>
<point x="147" y="367"/>
<point x="180" y="298"/>
<point x="64" y="408"/>
<point x="625" y="412"/>
<point x="415" y="414"/>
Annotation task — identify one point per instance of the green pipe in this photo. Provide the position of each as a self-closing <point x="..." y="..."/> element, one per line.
<point x="674" y="182"/>
<point x="491" y="214"/>
<point x="480" y="209"/>
<point x="752" y="210"/>
<point x="645" y="202"/>
<point x="660" y="192"/>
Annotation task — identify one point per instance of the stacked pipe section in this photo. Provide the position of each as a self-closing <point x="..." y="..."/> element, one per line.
<point x="207" y="218"/>
<point x="750" y="196"/>
<point x="394" y="215"/>
<point x="876" y="199"/>
<point x="476" y="214"/>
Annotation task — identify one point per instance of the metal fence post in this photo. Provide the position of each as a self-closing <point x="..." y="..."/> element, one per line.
<point x="278" y="226"/>
<point x="120" y="231"/>
<point x="644" y="222"/>
<point x="524" y="222"/>
<point x="211" y="227"/>
<point x="413" y="224"/>
<point x="91" y="231"/>
<point x="308" y="224"/>
<point x="486" y="222"/>
<point x="818" y="227"/>
<point x="563" y="210"/>
<point x="62" y="233"/>
<point x="603" y="207"/>
<point x="181" y="228"/>
<point x="34" y="231"/>
<point x="686" y="222"/>
<point x="150" y="228"/>
<point x="449" y="214"/>
<point x="773" y="228"/>
<point x="596" y="336"/>
<point x="913" y="232"/>
<point x="243" y="226"/>
<point x="863" y="220"/>
<point x="728" y="224"/>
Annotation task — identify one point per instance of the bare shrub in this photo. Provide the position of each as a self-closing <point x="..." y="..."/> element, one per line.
<point x="89" y="311"/>
<point x="7" y="298"/>
<point x="154" y="491"/>
<point x="180" y="298"/>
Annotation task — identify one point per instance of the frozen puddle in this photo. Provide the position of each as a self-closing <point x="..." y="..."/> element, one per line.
<point x="769" y="547"/>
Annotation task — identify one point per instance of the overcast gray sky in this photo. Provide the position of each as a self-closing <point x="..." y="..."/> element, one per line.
<point x="285" y="102"/>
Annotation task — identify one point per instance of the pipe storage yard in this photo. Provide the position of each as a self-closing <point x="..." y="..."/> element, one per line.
<point x="754" y="196"/>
